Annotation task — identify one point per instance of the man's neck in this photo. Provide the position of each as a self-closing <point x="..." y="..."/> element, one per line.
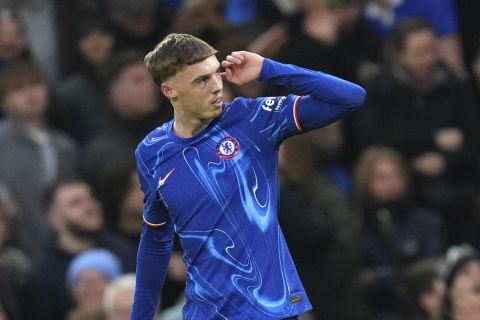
<point x="72" y="244"/>
<point x="187" y="127"/>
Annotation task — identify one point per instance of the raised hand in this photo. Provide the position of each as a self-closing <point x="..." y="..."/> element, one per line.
<point x="242" y="67"/>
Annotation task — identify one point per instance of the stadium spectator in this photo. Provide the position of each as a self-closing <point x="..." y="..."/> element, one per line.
<point x="134" y="101"/>
<point x="32" y="153"/>
<point x="423" y="288"/>
<point x="72" y="20"/>
<point x="118" y="298"/>
<point x="383" y="16"/>
<point x="133" y="104"/>
<point x="49" y="27"/>
<point x="395" y="230"/>
<point x="419" y="107"/>
<point x="461" y="271"/>
<point x="82" y="97"/>
<point x="333" y="33"/>
<point x="89" y="274"/>
<point x="330" y="36"/>
<point x="76" y="218"/>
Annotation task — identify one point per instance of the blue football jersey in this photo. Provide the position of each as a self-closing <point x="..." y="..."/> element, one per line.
<point x="219" y="189"/>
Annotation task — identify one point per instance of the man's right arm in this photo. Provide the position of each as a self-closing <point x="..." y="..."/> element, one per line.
<point x="154" y="252"/>
<point x="155" y="248"/>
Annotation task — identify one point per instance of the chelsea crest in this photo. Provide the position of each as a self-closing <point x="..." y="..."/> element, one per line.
<point x="227" y="148"/>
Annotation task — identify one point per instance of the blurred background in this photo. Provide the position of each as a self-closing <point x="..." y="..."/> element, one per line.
<point x="388" y="198"/>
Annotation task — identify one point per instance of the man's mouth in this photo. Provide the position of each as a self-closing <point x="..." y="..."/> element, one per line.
<point x="218" y="101"/>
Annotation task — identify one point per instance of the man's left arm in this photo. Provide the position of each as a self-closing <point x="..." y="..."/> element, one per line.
<point x="325" y="98"/>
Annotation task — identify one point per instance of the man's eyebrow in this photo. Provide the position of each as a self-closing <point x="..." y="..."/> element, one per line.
<point x="206" y="75"/>
<point x="201" y="77"/>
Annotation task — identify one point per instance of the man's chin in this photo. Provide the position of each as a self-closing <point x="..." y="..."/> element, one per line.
<point x="218" y="111"/>
<point x="84" y="233"/>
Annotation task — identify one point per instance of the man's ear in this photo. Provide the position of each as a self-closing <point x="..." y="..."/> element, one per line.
<point x="168" y="90"/>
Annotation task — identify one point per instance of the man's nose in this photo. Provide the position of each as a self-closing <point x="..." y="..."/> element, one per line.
<point x="217" y="83"/>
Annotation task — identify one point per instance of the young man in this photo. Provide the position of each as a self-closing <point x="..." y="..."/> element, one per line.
<point x="210" y="175"/>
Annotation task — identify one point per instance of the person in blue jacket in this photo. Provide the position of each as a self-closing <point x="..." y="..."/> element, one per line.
<point x="210" y="175"/>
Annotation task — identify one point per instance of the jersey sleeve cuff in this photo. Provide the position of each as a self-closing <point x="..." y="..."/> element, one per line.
<point x="267" y="69"/>
<point x="154" y="225"/>
<point x="295" y="114"/>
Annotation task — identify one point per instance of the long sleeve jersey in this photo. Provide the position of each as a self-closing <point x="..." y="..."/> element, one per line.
<point x="219" y="192"/>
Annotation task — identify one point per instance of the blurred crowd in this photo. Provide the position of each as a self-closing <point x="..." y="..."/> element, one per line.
<point x="381" y="211"/>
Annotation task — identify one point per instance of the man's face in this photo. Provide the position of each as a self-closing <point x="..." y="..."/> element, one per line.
<point x="27" y="103"/>
<point x="89" y="288"/>
<point x="420" y="54"/>
<point x="76" y="208"/>
<point x="133" y="94"/>
<point x="465" y="291"/>
<point x="387" y="181"/>
<point x="96" y="47"/>
<point x="197" y="90"/>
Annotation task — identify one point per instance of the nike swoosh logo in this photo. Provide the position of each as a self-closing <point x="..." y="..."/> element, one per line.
<point x="162" y="181"/>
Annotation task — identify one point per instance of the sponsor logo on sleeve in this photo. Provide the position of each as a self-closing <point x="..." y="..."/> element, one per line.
<point x="278" y="107"/>
<point x="269" y="104"/>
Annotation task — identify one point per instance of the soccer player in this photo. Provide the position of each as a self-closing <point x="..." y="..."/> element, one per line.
<point x="210" y="175"/>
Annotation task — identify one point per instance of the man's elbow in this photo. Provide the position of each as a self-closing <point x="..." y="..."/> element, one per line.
<point x="358" y="97"/>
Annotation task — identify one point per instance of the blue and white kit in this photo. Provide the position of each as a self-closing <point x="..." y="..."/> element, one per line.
<point x="219" y="192"/>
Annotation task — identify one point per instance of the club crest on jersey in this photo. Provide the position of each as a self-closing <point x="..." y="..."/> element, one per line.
<point x="227" y="148"/>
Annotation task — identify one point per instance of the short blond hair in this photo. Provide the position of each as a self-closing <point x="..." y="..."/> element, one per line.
<point x="174" y="52"/>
